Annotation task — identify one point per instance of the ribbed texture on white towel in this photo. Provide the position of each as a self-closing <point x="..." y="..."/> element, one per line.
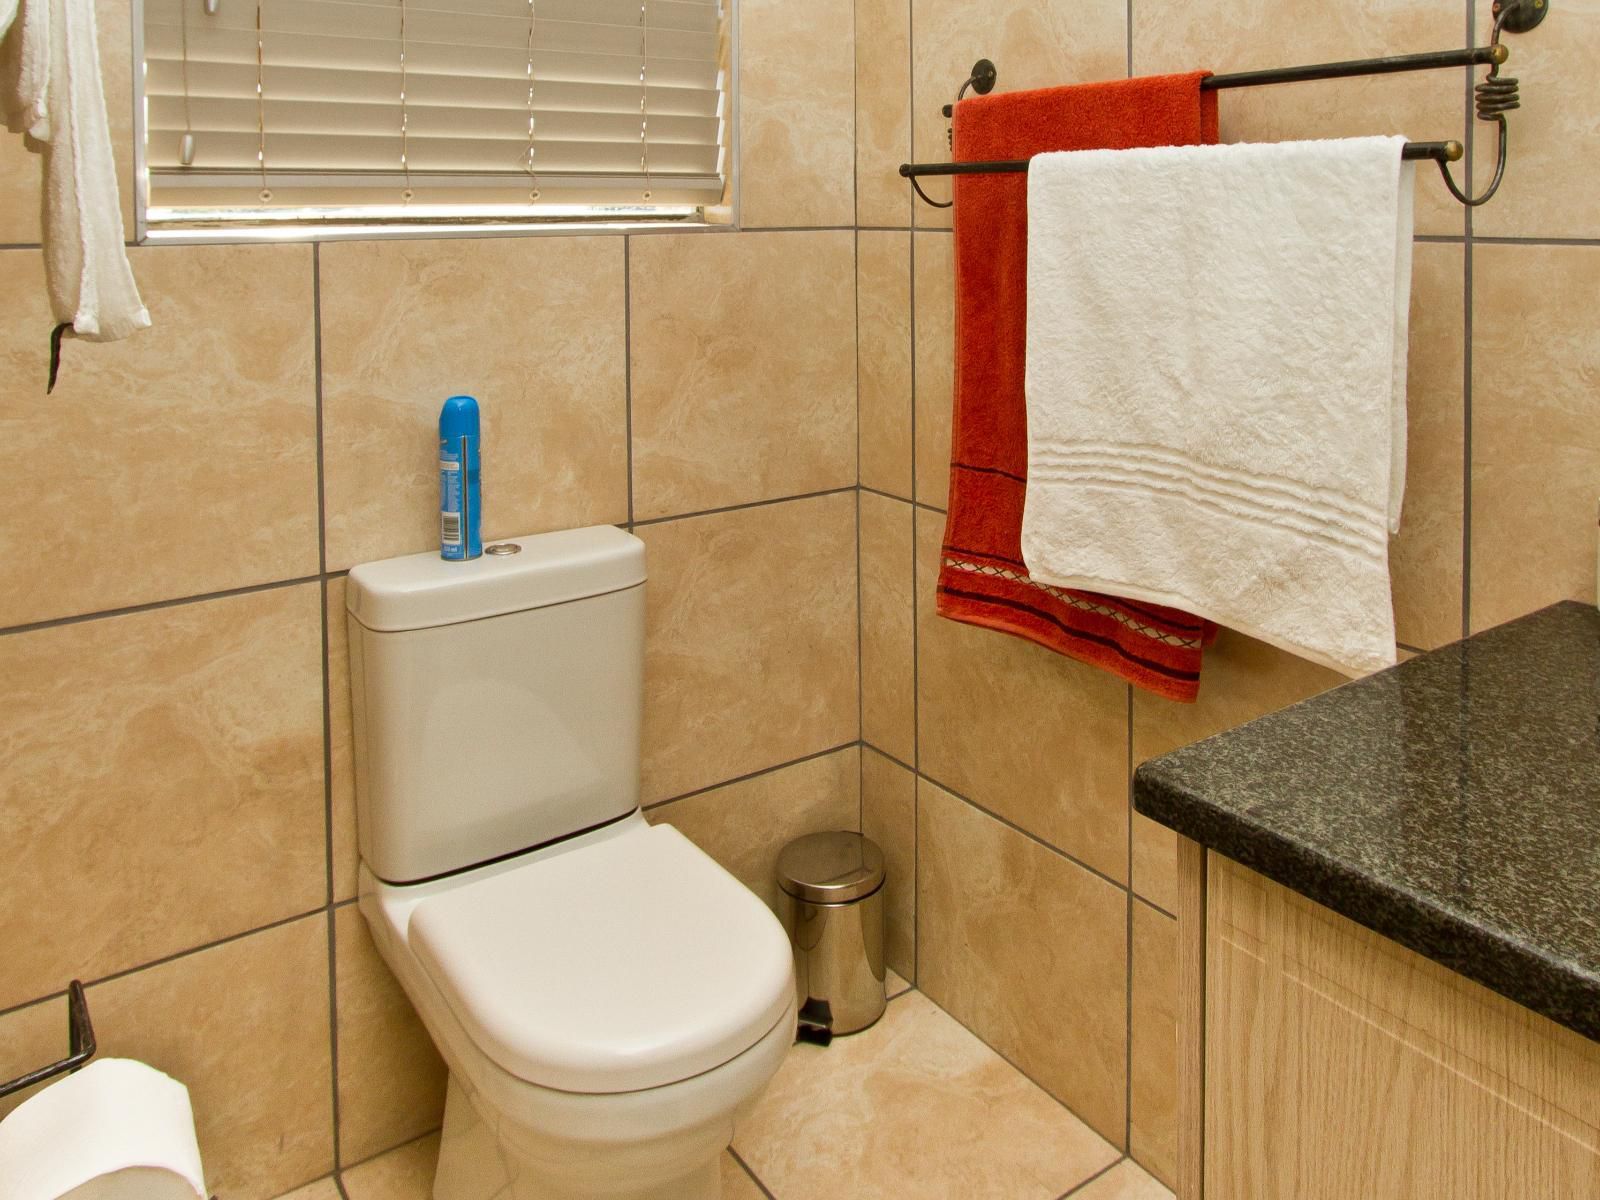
<point x="1216" y="384"/>
<point x="50" y="89"/>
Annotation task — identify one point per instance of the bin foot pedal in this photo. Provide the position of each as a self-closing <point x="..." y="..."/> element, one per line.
<point x="815" y="1023"/>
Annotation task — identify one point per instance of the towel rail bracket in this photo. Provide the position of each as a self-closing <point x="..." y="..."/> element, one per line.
<point x="1494" y="97"/>
<point x="1523" y="16"/>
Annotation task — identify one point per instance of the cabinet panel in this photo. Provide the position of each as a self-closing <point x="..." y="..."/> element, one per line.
<point x="1340" y="1065"/>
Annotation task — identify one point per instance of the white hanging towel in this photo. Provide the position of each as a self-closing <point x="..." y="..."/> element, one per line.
<point x="50" y="90"/>
<point x="1216" y="384"/>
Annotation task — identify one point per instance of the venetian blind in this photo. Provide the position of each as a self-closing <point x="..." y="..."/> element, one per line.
<point x="434" y="110"/>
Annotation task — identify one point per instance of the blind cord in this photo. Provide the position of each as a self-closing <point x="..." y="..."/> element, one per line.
<point x="533" y="175"/>
<point x="644" y="115"/>
<point x="261" y="111"/>
<point x="405" y="115"/>
<point x="185" y="147"/>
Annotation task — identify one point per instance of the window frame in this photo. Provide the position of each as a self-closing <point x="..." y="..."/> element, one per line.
<point x="723" y="219"/>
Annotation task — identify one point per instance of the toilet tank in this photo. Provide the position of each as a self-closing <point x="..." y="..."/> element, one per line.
<point x="496" y="702"/>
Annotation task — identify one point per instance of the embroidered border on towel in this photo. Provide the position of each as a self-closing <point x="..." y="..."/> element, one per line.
<point x="1149" y="631"/>
<point x="1134" y="607"/>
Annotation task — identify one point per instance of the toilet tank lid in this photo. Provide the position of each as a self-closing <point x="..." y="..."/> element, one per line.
<point x="420" y="591"/>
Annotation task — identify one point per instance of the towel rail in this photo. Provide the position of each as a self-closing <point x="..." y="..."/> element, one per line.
<point x="1495" y="97"/>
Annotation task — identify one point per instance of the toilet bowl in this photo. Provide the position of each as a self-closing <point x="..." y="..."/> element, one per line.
<point x="607" y="998"/>
<point x="602" y="1052"/>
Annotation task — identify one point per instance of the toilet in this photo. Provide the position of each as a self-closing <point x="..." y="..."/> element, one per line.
<point x="608" y="999"/>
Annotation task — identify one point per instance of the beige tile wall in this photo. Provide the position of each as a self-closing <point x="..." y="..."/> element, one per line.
<point x="1006" y="785"/>
<point x="171" y="649"/>
<point x="177" y="821"/>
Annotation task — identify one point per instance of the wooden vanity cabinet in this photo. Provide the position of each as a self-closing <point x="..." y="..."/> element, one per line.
<point x="1320" y="1061"/>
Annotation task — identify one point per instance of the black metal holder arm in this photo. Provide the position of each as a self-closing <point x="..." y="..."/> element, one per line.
<point x="80" y="1044"/>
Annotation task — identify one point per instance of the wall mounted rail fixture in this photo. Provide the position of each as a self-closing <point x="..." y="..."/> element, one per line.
<point x="1494" y="97"/>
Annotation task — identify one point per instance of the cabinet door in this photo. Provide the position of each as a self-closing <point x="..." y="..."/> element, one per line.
<point x="1340" y="1066"/>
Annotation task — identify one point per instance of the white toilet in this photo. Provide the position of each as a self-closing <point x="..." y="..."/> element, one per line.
<point x="609" y="1000"/>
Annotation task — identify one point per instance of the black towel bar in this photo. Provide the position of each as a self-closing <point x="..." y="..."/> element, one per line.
<point x="1495" y="97"/>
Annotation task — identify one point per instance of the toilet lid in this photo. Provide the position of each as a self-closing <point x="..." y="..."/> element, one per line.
<point x="630" y="963"/>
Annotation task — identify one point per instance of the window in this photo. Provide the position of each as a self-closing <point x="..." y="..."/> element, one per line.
<point x="296" y="118"/>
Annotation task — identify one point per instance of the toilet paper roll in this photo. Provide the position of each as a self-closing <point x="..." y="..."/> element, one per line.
<point x="116" y="1130"/>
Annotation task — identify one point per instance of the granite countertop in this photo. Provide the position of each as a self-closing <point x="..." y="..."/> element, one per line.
<point x="1451" y="803"/>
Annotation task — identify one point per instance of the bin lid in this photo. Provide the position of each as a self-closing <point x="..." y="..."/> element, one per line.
<point x="831" y="868"/>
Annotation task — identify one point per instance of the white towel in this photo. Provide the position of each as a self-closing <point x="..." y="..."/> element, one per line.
<point x="50" y="89"/>
<point x="1216" y="384"/>
<point x="25" y="67"/>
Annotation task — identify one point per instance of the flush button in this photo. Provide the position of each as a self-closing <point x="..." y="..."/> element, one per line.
<point x="503" y="548"/>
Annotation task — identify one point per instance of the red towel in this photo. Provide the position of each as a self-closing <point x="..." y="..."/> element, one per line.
<point x="982" y="579"/>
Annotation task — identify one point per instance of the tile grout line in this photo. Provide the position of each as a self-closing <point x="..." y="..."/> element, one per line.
<point x="711" y="787"/>
<point x="1522" y="239"/>
<point x="346" y="903"/>
<point x="124" y="972"/>
<point x="153" y="605"/>
<point x="327" y="709"/>
<point x="1018" y="1068"/>
<point x="341" y="572"/>
<point x="748" y="1170"/>
<point x="1078" y="1187"/>
<point x="728" y="508"/>
<point x="316" y="367"/>
<point x="322" y="559"/>
<point x="784" y="229"/>
<point x="861" y="609"/>
<point x="1467" y="354"/>
<point x="410" y="1141"/>
<point x="861" y="681"/>
<point x="916" y="637"/>
<point x="1466" y="440"/>
<point x="1153" y="906"/>
<point x="1127" y="21"/>
<point x="333" y="1034"/>
<point x="627" y="365"/>
<point x="916" y="655"/>
<point x="1032" y="837"/>
<point x="855" y="217"/>
<point x="855" y="195"/>
<point x="1127" y="1071"/>
<point x="865" y="487"/>
<point x="1487" y="240"/>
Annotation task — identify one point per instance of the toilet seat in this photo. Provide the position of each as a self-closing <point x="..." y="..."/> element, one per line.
<point x="629" y="963"/>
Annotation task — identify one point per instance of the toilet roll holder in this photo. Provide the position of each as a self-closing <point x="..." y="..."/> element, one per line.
<point x="80" y="1044"/>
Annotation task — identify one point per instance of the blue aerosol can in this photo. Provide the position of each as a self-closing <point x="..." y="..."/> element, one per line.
<point x="460" y="506"/>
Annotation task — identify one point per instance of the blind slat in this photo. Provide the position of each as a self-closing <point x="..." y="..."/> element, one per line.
<point x="331" y="110"/>
<point x="221" y="81"/>
<point x="506" y="62"/>
<point x="427" y="121"/>
<point x="330" y="16"/>
<point x="480" y="33"/>
<point x="333" y="152"/>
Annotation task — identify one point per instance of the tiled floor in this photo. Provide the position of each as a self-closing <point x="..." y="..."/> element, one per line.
<point x="914" y="1107"/>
